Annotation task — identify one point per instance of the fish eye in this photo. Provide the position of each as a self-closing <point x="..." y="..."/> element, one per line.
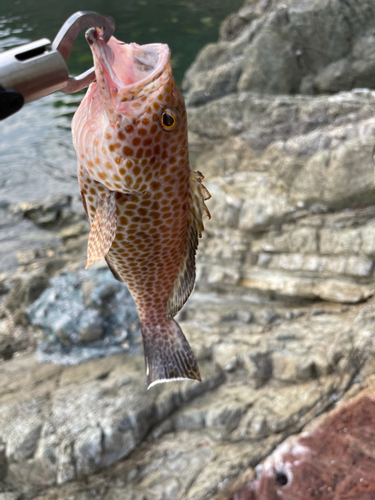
<point x="168" y="119"/>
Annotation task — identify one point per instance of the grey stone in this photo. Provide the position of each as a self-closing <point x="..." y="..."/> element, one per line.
<point x="88" y="449"/>
<point x="91" y="332"/>
<point x="340" y="241"/>
<point x="9" y="496"/>
<point x="302" y="240"/>
<point x="46" y="212"/>
<point x="335" y="77"/>
<point x="283" y="284"/>
<point x="261" y="366"/>
<point x="74" y="230"/>
<point x="330" y="177"/>
<point x="100" y="313"/>
<point x="269" y="418"/>
<point x="235" y="23"/>
<point x="25" y="291"/>
<point x="14" y="338"/>
<point x="245" y="316"/>
<point x="257" y="214"/>
<point x="21" y="438"/>
<point x="351" y="266"/>
<point x="290" y="47"/>
<point x="66" y="470"/>
<point x="368" y="239"/>
<point x="270" y="64"/>
<point x="3" y="462"/>
<point x="225" y="206"/>
<point x="46" y="460"/>
<point x="221" y="81"/>
<point x="270" y="316"/>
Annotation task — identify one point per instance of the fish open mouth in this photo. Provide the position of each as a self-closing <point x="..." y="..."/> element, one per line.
<point x="127" y="69"/>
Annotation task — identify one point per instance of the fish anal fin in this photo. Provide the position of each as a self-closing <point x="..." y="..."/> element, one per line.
<point x="103" y="229"/>
<point x="184" y="282"/>
<point x="168" y="355"/>
<point x="113" y="270"/>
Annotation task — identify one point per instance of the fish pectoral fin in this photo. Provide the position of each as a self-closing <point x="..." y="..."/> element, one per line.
<point x="184" y="282"/>
<point x="103" y="229"/>
<point x="168" y="355"/>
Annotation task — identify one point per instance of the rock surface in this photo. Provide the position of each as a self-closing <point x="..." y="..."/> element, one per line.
<point x="287" y="47"/>
<point x="282" y="319"/>
<point x="83" y="315"/>
<point x="292" y="194"/>
<point x="330" y="459"/>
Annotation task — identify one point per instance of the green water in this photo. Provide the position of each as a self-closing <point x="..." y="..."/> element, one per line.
<point x="36" y="153"/>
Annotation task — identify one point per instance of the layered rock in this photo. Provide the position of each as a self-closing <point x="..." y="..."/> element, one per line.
<point x="293" y="192"/>
<point x="264" y="376"/>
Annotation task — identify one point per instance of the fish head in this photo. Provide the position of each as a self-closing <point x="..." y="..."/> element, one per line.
<point x="126" y="73"/>
<point x="134" y="113"/>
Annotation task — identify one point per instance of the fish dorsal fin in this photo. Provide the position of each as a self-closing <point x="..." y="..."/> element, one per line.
<point x="103" y="229"/>
<point x="184" y="282"/>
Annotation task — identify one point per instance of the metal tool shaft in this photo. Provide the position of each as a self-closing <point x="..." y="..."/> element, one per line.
<point x="37" y="69"/>
<point x="32" y="70"/>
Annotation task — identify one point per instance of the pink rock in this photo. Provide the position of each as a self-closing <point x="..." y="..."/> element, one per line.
<point x="331" y="460"/>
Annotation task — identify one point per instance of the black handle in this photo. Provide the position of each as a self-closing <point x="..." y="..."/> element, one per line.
<point x="11" y="101"/>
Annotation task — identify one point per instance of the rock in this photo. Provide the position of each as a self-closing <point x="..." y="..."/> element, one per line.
<point x="91" y="332"/>
<point x="9" y="496"/>
<point x="3" y="462"/>
<point x="227" y="423"/>
<point x="53" y="447"/>
<point x="98" y="312"/>
<point x="352" y="266"/>
<point x="25" y="291"/>
<point x="46" y="457"/>
<point x="74" y="230"/>
<point x="310" y="288"/>
<point x="291" y="234"/>
<point x="335" y="170"/>
<point x="66" y="469"/>
<point x="270" y="63"/>
<point x="302" y="240"/>
<point x="289" y="47"/>
<point x="270" y="316"/>
<point x="235" y="23"/>
<point x="21" y="438"/>
<point x="47" y="212"/>
<point x="14" y="338"/>
<point x="223" y="81"/>
<point x="331" y="458"/>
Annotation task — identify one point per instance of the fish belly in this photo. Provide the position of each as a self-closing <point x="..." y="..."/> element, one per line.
<point x="148" y="248"/>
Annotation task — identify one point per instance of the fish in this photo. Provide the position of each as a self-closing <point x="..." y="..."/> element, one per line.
<point x="144" y="204"/>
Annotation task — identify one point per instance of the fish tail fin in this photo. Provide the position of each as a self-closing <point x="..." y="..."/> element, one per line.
<point x="168" y="355"/>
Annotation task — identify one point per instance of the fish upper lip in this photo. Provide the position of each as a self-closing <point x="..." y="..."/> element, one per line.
<point x="104" y="56"/>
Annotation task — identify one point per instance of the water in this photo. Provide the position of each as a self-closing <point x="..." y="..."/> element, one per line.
<point x="36" y="152"/>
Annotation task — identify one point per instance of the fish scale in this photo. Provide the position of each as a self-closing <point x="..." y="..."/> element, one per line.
<point x="144" y="204"/>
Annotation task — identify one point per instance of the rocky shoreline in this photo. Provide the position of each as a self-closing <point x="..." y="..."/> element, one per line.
<point x="282" y="319"/>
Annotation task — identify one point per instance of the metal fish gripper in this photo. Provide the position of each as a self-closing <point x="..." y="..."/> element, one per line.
<point x="34" y="70"/>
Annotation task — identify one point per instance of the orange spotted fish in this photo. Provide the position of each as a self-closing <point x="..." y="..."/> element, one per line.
<point x="144" y="204"/>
